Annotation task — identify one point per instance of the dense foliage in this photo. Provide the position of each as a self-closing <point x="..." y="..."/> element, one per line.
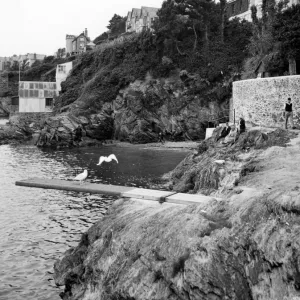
<point x="189" y="35"/>
<point x="275" y="41"/>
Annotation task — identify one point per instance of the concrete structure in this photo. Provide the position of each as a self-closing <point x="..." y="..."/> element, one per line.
<point x="62" y="72"/>
<point x="122" y="191"/>
<point x="141" y="19"/>
<point x="261" y="101"/>
<point x="36" y="96"/>
<point x="242" y="8"/>
<point x="209" y="132"/>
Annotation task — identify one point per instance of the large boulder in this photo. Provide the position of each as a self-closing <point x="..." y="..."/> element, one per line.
<point x="212" y="251"/>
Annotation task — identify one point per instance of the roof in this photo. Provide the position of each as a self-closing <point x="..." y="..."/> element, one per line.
<point x="82" y="34"/>
<point x="135" y="12"/>
<point x="149" y="11"/>
<point x="144" y="11"/>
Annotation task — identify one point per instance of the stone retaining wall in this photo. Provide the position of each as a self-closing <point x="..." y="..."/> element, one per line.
<point x="261" y="101"/>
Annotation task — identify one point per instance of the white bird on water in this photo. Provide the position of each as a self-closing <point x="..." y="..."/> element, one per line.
<point x="82" y="176"/>
<point x="107" y="159"/>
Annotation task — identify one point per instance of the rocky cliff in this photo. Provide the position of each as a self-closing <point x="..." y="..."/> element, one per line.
<point x="242" y="245"/>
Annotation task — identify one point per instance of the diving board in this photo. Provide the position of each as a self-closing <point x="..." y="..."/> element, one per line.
<point x="117" y="190"/>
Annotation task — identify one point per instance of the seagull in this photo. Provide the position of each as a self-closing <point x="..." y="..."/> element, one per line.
<point x="82" y="176"/>
<point x="107" y="159"/>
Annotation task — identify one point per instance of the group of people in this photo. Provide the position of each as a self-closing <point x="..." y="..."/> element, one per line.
<point x="230" y="133"/>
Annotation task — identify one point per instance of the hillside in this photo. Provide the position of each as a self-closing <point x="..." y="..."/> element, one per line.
<point x="145" y="84"/>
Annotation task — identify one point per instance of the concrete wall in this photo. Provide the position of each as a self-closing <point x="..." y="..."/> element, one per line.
<point x="62" y="72"/>
<point x="31" y="105"/>
<point x="261" y="101"/>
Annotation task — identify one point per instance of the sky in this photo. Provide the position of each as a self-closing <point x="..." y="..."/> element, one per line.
<point x="39" y="26"/>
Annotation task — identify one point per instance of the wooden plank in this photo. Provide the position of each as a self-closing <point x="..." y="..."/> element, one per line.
<point x="75" y="186"/>
<point x="181" y="198"/>
<point x="147" y="194"/>
<point x="123" y="191"/>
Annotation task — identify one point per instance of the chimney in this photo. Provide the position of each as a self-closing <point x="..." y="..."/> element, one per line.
<point x="86" y="32"/>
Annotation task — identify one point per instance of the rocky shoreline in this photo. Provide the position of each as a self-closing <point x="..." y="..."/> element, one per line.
<point x="245" y="245"/>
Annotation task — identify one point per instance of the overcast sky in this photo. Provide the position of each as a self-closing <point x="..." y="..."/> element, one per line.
<point x="39" y="26"/>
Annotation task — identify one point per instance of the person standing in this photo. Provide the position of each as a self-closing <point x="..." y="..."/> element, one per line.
<point x="288" y="110"/>
<point x="242" y="125"/>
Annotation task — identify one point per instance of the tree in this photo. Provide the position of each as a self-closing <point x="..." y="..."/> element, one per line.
<point x="286" y="30"/>
<point x="15" y="66"/>
<point x="102" y="37"/>
<point x="60" y="52"/>
<point x="24" y="65"/>
<point x="117" y="25"/>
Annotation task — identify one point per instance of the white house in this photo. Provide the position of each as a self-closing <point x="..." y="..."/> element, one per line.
<point x="36" y="96"/>
<point x="62" y="72"/>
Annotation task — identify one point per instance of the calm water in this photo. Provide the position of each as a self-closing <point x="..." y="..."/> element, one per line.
<point x="37" y="226"/>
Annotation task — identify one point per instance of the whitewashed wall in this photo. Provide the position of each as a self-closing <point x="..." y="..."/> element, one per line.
<point x="261" y="101"/>
<point x="32" y="105"/>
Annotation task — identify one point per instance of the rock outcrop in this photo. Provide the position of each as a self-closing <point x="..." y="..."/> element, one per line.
<point x="170" y="105"/>
<point x="243" y="245"/>
<point x="200" y="173"/>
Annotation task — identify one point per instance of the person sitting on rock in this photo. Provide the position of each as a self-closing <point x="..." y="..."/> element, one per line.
<point x="232" y="136"/>
<point x="225" y="131"/>
<point x="242" y="125"/>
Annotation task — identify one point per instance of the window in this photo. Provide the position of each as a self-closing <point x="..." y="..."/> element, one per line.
<point x="82" y="39"/>
<point x="49" y="101"/>
<point x="81" y="45"/>
<point x="61" y="69"/>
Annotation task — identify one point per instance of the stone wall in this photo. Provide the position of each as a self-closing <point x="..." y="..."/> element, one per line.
<point x="261" y="101"/>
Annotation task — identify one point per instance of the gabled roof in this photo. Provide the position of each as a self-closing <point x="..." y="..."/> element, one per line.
<point x="82" y="34"/>
<point x="149" y="11"/>
<point x="135" y="12"/>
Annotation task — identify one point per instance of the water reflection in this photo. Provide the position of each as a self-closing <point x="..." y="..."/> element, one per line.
<point x="37" y="226"/>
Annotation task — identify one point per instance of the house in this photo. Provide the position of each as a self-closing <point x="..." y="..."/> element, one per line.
<point x="36" y="96"/>
<point x="33" y="57"/>
<point x="62" y="72"/>
<point x="242" y="8"/>
<point x="7" y="62"/>
<point x="77" y="44"/>
<point x="141" y="19"/>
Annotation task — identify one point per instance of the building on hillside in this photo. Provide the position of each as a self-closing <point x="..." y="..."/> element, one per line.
<point x="69" y="45"/>
<point x="7" y="62"/>
<point x="62" y="72"/>
<point x="33" y="57"/>
<point x="36" y="96"/>
<point x="242" y="8"/>
<point x="141" y="19"/>
<point x="77" y="44"/>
